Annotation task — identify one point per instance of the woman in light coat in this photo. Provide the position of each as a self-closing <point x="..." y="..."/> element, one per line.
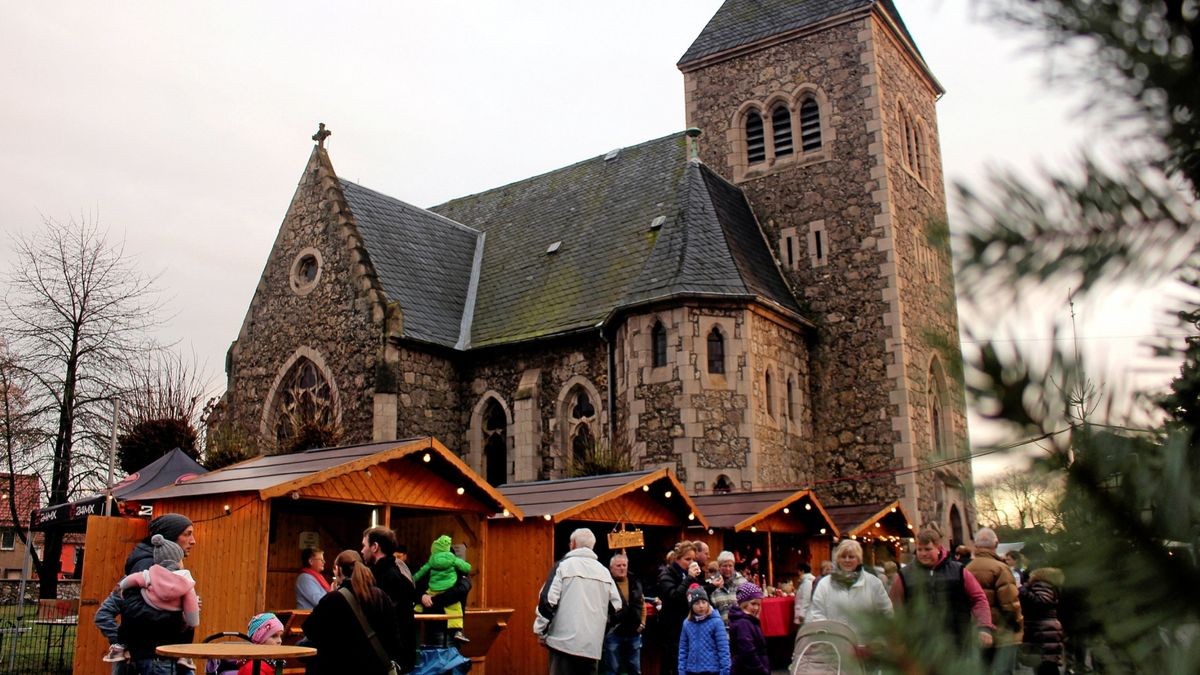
<point x="849" y="593"/>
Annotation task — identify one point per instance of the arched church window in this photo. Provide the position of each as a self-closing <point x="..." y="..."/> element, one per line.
<point x="722" y="485"/>
<point x="939" y="421"/>
<point x="582" y="418"/>
<point x="658" y="342"/>
<point x="810" y="125"/>
<point x="781" y="130"/>
<point x="716" y="351"/>
<point x="495" y="443"/>
<point x="303" y="407"/>
<point x="756" y="147"/>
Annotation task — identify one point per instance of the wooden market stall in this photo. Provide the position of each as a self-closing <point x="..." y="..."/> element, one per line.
<point x="781" y="527"/>
<point x="881" y="528"/>
<point x="652" y="502"/>
<point x="253" y="518"/>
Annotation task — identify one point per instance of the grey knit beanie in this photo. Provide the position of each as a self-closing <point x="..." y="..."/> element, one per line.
<point x="166" y="552"/>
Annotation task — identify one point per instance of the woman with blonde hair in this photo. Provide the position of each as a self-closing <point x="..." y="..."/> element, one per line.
<point x="336" y="625"/>
<point x="674" y="578"/>
<point x="848" y="593"/>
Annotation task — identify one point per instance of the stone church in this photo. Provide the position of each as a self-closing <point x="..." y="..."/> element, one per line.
<point x="766" y="302"/>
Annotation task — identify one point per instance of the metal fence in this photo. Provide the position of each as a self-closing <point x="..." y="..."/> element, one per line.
<point x="29" y="646"/>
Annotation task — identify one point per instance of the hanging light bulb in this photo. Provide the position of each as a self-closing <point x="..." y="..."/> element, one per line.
<point x="460" y="490"/>
<point x="823" y="530"/>
<point x="691" y="516"/>
<point x="754" y="528"/>
<point x="667" y="494"/>
<point x="786" y="510"/>
<point x="808" y="507"/>
<point x="427" y="457"/>
<point x="547" y="516"/>
<point x="645" y="488"/>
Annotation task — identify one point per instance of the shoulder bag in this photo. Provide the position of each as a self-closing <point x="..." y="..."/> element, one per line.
<point x="393" y="669"/>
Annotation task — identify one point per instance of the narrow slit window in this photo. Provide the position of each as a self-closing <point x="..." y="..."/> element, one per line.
<point x="791" y="256"/>
<point x="781" y="130"/>
<point x="768" y="392"/>
<point x="658" y="340"/>
<point x="820" y="246"/>
<point x="791" y="400"/>
<point x="716" y="352"/>
<point x="810" y="125"/>
<point x="756" y="147"/>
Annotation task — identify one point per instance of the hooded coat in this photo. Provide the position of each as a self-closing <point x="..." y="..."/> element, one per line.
<point x="441" y="566"/>
<point x="704" y="645"/>
<point x="1000" y="587"/>
<point x="1043" y="630"/>
<point x="747" y="644"/>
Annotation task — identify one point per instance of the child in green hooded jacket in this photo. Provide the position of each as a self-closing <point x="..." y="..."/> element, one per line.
<point x="443" y="568"/>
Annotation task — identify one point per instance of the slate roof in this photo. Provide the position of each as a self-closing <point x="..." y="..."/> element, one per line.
<point x="422" y="260"/>
<point x="743" y="22"/>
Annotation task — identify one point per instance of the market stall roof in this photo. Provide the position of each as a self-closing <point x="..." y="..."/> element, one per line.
<point x="740" y="511"/>
<point x="630" y="497"/>
<point x="277" y="475"/>
<point x="170" y="469"/>
<point x="883" y="519"/>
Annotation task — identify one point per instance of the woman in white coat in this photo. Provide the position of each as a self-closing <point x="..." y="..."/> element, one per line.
<point x="849" y="593"/>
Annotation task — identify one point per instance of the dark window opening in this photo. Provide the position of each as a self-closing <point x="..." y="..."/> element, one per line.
<point x="817" y="245"/>
<point x="495" y="448"/>
<point x="722" y="485"/>
<point x="756" y="146"/>
<point x="781" y="127"/>
<point x="810" y="125"/>
<point x="304" y="403"/>
<point x="583" y="406"/>
<point x="716" y="352"/>
<point x="582" y="444"/>
<point x="770" y="402"/>
<point x="791" y="259"/>
<point x="791" y="399"/>
<point x="308" y="269"/>
<point x="658" y="339"/>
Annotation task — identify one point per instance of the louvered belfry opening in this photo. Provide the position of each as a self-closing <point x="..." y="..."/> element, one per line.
<point x="756" y="146"/>
<point x="781" y="128"/>
<point x="810" y="125"/>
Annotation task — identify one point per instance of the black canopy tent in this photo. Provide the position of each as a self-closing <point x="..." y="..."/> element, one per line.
<point x="170" y="469"/>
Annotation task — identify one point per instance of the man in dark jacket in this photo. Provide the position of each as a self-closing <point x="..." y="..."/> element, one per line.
<point x="141" y="636"/>
<point x="378" y="547"/>
<point x="948" y="588"/>
<point x="623" y="637"/>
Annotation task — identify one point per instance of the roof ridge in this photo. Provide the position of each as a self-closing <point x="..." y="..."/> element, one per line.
<point x="384" y="195"/>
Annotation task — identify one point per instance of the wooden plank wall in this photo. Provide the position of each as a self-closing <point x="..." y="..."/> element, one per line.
<point x="229" y="561"/>
<point x="108" y="543"/>
<point x="519" y="555"/>
<point x="339" y="526"/>
<point x="418" y="529"/>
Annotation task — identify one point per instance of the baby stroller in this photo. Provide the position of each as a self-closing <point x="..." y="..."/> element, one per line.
<point x="826" y="648"/>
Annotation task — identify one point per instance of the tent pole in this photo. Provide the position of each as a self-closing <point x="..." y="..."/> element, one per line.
<point x="112" y="459"/>
<point x="21" y="592"/>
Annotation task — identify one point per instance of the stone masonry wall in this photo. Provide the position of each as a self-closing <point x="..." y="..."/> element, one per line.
<point x="428" y="390"/>
<point x="560" y="364"/>
<point x="333" y="323"/>
<point x="849" y="384"/>
<point x="923" y="267"/>
<point x="783" y="435"/>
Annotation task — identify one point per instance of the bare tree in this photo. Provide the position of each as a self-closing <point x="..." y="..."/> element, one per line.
<point x="76" y="315"/>
<point x="161" y="411"/>
<point x="1020" y="499"/>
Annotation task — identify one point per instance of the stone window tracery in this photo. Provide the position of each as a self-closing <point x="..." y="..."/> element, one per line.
<point x="658" y="343"/>
<point x="716" y="352"/>
<point x="303" y="401"/>
<point x="582" y="418"/>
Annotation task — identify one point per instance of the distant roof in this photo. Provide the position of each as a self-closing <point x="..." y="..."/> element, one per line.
<point x="27" y="491"/>
<point x="742" y="510"/>
<point x="564" y="498"/>
<point x="860" y="519"/>
<point x="743" y="22"/>
<point x="561" y="252"/>
<point x="172" y="467"/>
<point x="276" y="475"/>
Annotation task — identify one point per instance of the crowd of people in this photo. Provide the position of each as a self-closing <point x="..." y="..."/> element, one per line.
<point x="362" y="622"/>
<point x="591" y="617"/>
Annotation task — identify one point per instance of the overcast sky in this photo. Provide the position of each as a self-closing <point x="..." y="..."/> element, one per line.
<point x="184" y="127"/>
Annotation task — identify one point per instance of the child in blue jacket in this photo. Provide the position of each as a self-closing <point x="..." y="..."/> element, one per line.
<point x="703" y="644"/>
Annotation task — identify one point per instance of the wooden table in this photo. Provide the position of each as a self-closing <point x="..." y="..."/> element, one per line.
<point x="212" y="651"/>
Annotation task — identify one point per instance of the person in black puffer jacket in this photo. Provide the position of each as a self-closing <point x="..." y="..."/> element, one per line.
<point x="1043" y="646"/>
<point x="334" y="629"/>
<point x="674" y="578"/>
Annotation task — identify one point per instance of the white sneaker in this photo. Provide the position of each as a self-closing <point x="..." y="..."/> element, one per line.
<point x="116" y="654"/>
<point x="187" y="663"/>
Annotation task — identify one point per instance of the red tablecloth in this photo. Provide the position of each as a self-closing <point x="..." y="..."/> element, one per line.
<point x="776" y="617"/>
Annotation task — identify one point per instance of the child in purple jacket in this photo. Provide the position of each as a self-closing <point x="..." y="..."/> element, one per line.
<point x="747" y="643"/>
<point x="703" y="643"/>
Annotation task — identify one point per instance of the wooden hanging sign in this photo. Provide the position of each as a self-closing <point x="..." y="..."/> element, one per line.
<point x="626" y="539"/>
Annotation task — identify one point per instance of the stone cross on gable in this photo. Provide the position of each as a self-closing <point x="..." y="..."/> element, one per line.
<point x="321" y="135"/>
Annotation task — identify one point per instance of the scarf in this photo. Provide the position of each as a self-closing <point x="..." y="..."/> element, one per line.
<point x="844" y="578"/>
<point x="320" y="579"/>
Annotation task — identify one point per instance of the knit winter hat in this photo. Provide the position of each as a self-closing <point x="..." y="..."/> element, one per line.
<point x="748" y="591"/>
<point x="169" y="525"/>
<point x="263" y="626"/>
<point x="696" y="594"/>
<point x="166" y="552"/>
<point x="441" y="544"/>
